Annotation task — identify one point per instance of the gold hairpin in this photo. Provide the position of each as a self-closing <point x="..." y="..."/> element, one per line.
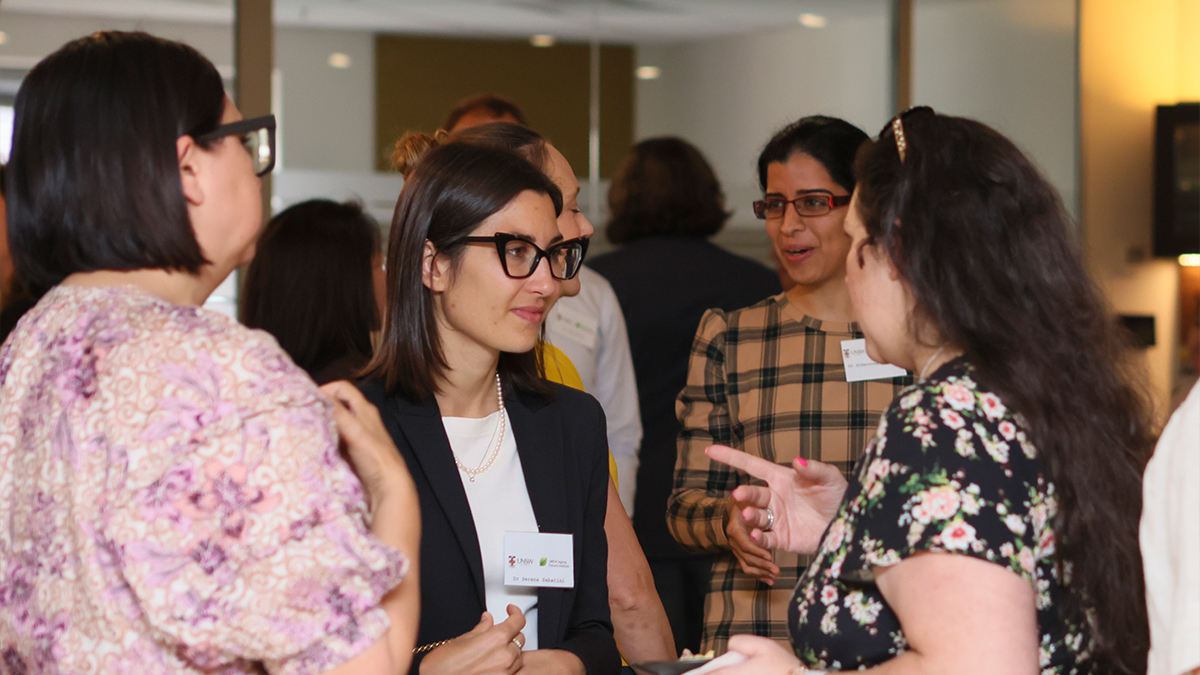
<point x="901" y="143"/>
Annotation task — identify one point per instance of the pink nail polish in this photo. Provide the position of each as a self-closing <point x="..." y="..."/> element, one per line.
<point x="803" y="462"/>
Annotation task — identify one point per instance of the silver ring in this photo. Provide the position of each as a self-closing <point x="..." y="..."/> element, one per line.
<point x="770" y="520"/>
<point x="517" y="642"/>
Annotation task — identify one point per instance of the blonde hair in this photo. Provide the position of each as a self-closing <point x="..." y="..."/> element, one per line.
<point x="413" y="146"/>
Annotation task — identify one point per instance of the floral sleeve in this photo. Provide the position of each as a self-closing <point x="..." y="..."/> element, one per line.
<point x="239" y="531"/>
<point x="951" y="470"/>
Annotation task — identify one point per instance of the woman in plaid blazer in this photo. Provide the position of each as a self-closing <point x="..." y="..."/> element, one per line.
<point x="769" y="380"/>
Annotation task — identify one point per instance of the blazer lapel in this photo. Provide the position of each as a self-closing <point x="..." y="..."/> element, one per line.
<point x="422" y="428"/>
<point x="540" y="447"/>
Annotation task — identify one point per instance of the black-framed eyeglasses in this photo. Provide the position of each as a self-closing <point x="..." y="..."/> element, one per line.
<point x="257" y="134"/>
<point x="809" y="205"/>
<point x="520" y="257"/>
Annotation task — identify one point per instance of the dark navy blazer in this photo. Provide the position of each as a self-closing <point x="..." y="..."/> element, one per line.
<point x="564" y="456"/>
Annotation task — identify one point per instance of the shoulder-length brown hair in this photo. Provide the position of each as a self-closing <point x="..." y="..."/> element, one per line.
<point x="665" y="187"/>
<point x="987" y="251"/>
<point x="446" y="195"/>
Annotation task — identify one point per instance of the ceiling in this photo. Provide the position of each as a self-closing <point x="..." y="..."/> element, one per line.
<point x="608" y="20"/>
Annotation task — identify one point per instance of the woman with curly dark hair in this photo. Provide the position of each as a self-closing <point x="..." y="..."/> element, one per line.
<point x="991" y="526"/>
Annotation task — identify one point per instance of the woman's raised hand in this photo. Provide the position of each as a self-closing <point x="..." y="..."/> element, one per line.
<point x="369" y="447"/>
<point x="801" y="501"/>
<point x="488" y="649"/>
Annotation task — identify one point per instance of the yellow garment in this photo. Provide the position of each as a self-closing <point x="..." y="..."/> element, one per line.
<point x="560" y="369"/>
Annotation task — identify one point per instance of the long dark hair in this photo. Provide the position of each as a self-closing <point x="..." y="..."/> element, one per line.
<point x="311" y="284"/>
<point x="664" y="187"/>
<point x="984" y="244"/>
<point x="446" y="195"/>
<point x="94" y="174"/>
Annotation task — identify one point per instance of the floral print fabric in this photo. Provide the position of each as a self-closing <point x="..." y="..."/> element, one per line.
<point x="174" y="500"/>
<point x="950" y="470"/>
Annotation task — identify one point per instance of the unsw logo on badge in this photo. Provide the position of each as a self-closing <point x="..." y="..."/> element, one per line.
<point x="860" y="367"/>
<point x="537" y="559"/>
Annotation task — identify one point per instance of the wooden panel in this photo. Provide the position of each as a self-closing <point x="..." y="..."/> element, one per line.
<point x="418" y="80"/>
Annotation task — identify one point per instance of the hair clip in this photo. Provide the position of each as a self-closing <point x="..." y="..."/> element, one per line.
<point x="901" y="143"/>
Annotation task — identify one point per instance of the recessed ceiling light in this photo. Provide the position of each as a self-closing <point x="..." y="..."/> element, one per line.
<point x="1189" y="260"/>
<point x="648" y="72"/>
<point x="542" y="40"/>
<point x="339" y="60"/>
<point x="813" y="20"/>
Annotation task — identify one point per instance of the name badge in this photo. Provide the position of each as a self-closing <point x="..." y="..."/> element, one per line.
<point x="575" y="326"/>
<point x="541" y="560"/>
<point x="860" y="367"/>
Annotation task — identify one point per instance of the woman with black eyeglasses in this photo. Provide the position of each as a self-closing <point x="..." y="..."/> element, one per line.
<point x="512" y="471"/>
<point x="173" y="492"/>
<point x="776" y="380"/>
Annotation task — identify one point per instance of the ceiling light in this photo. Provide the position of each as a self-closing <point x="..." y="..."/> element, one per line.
<point x="648" y="72"/>
<point x="813" y="20"/>
<point x="1190" y="260"/>
<point x="542" y="40"/>
<point x="339" y="60"/>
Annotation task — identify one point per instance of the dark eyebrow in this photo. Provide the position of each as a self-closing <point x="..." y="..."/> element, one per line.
<point x="526" y="238"/>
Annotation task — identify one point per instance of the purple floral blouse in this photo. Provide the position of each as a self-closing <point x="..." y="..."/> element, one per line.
<point x="173" y="499"/>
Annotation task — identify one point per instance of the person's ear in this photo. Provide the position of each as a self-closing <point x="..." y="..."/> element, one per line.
<point x="190" y="169"/>
<point x="435" y="269"/>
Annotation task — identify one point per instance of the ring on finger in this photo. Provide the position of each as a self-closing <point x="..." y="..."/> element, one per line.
<point x="519" y="641"/>
<point x="770" y="520"/>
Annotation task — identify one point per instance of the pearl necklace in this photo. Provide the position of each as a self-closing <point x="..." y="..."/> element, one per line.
<point x="489" y="460"/>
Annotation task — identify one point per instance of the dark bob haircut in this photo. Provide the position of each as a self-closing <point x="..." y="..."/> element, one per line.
<point x="990" y="259"/>
<point x="446" y="196"/>
<point x="498" y="107"/>
<point x="94" y="174"/>
<point x="665" y="187"/>
<point x="311" y="283"/>
<point x="831" y="141"/>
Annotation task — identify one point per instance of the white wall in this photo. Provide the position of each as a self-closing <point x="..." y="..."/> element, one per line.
<point x="728" y="95"/>
<point x="1011" y="64"/>
<point x="327" y="115"/>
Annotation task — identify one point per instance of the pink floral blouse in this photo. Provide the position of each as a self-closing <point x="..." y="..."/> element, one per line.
<point x="172" y="499"/>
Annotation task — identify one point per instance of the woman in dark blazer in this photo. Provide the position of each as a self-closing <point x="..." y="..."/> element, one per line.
<point x="493" y="448"/>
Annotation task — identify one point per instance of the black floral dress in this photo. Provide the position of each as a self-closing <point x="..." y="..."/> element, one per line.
<point x="951" y="470"/>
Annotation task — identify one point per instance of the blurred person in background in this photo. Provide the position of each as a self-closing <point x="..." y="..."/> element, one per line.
<point x="665" y="202"/>
<point x="771" y="380"/>
<point x="482" y="109"/>
<point x="317" y="284"/>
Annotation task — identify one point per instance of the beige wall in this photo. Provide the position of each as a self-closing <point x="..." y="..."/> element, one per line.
<point x="1134" y="55"/>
